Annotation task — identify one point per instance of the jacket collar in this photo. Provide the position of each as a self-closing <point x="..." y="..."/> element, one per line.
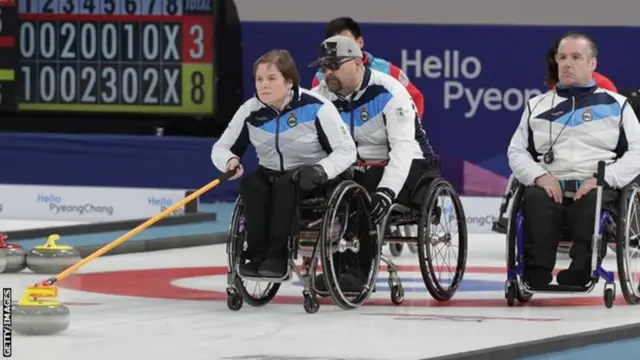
<point x="294" y="98"/>
<point x="576" y="91"/>
<point x="366" y="79"/>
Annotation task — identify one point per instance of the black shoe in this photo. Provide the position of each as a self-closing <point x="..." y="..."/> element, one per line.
<point x="348" y="282"/>
<point x="273" y="267"/>
<point x="537" y="277"/>
<point x="571" y="277"/>
<point x="250" y="269"/>
<point x="319" y="283"/>
<point x="351" y="283"/>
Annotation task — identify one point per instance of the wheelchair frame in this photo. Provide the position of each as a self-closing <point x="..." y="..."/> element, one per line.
<point x="426" y="214"/>
<point x="517" y="289"/>
<point x="315" y="244"/>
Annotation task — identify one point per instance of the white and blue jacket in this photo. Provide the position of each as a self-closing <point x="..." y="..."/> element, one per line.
<point x="308" y="131"/>
<point x="584" y="125"/>
<point x="385" y="124"/>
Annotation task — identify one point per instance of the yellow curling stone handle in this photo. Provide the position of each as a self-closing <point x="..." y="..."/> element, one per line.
<point x="32" y="297"/>
<point x="51" y="244"/>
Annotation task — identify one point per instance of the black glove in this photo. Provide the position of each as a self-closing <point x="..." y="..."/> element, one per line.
<point x="309" y="177"/>
<point x="381" y="202"/>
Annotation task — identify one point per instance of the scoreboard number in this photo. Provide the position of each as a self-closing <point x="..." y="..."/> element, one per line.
<point x="108" y="7"/>
<point x="153" y="56"/>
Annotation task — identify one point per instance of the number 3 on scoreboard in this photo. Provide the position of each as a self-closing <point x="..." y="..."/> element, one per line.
<point x="197" y="87"/>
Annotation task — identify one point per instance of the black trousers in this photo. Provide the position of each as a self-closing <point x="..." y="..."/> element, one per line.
<point x="370" y="179"/>
<point x="269" y="200"/>
<point x="546" y="221"/>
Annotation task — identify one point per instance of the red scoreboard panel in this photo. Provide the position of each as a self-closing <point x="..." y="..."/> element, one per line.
<point x="122" y="56"/>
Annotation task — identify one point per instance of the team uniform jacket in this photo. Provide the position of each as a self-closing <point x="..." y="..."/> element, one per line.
<point x="585" y="127"/>
<point x="308" y="131"/>
<point x="384" y="122"/>
<point x="390" y="69"/>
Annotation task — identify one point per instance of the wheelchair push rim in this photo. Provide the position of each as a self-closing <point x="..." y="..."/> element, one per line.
<point x="234" y="251"/>
<point x="514" y="287"/>
<point x="329" y="247"/>
<point x="434" y="212"/>
<point x="627" y="245"/>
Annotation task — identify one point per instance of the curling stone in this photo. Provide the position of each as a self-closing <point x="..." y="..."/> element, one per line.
<point x="51" y="258"/>
<point x="12" y="256"/>
<point x="32" y="316"/>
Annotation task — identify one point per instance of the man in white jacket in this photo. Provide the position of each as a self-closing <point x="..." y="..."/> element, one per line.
<point x="562" y="136"/>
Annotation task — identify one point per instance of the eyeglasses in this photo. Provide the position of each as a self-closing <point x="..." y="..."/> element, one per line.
<point x="333" y="64"/>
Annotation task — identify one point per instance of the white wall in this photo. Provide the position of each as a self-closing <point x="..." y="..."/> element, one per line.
<point x="522" y="12"/>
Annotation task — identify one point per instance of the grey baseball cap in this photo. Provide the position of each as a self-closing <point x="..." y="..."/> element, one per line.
<point x="337" y="47"/>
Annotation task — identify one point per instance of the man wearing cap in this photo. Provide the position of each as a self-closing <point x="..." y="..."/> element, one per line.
<point x="349" y="27"/>
<point x="385" y="125"/>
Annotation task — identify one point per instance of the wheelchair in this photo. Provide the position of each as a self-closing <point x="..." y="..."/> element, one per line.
<point x="413" y="225"/>
<point x="321" y="233"/>
<point x="616" y="225"/>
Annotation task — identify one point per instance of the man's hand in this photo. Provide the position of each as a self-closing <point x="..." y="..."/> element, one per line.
<point x="587" y="186"/>
<point x="381" y="201"/>
<point x="551" y="185"/>
<point x="234" y="164"/>
<point x="309" y="177"/>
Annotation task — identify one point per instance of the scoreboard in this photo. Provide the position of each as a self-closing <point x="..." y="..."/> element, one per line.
<point x="121" y="56"/>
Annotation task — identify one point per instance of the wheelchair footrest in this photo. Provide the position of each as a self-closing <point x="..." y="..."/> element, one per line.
<point x="558" y="288"/>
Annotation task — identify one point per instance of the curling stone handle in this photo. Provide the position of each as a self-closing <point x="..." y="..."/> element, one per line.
<point x="51" y="240"/>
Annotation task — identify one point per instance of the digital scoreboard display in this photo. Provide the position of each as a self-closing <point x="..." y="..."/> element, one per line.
<point x="121" y="56"/>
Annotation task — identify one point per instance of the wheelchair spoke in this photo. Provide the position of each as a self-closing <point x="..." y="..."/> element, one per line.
<point x="628" y="249"/>
<point x="444" y="229"/>
<point x="633" y="250"/>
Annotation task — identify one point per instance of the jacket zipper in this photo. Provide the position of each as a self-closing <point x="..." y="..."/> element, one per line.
<point x="352" y="127"/>
<point x="278" y="143"/>
<point x="278" y="116"/>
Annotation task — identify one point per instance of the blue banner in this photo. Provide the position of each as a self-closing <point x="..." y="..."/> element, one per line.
<point x="475" y="80"/>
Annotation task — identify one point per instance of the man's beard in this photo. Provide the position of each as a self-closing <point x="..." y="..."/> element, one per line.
<point x="333" y="83"/>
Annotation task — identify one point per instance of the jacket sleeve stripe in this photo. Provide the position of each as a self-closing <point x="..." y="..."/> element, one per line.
<point x="343" y="148"/>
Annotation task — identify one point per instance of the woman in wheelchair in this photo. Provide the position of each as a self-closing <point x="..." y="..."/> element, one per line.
<point x="298" y="137"/>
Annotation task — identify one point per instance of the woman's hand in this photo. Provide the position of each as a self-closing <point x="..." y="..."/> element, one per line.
<point x="234" y="164"/>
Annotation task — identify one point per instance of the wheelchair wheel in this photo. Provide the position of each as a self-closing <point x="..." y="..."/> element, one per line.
<point x="345" y="220"/>
<point x="514" y="290"/>
<point x="627" y="244"/>
<point x="434" y="212"/>
<point x="257" y="294"/>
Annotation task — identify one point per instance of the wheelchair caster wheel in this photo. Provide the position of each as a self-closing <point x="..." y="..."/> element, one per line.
<point x="234" y="300"/>
<point x="413" y="249"/>
<point x="311" y="304"/>
<point x="609" y="298"/>
<point x="397" y="294"/>
<point x="395" y="249"/>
